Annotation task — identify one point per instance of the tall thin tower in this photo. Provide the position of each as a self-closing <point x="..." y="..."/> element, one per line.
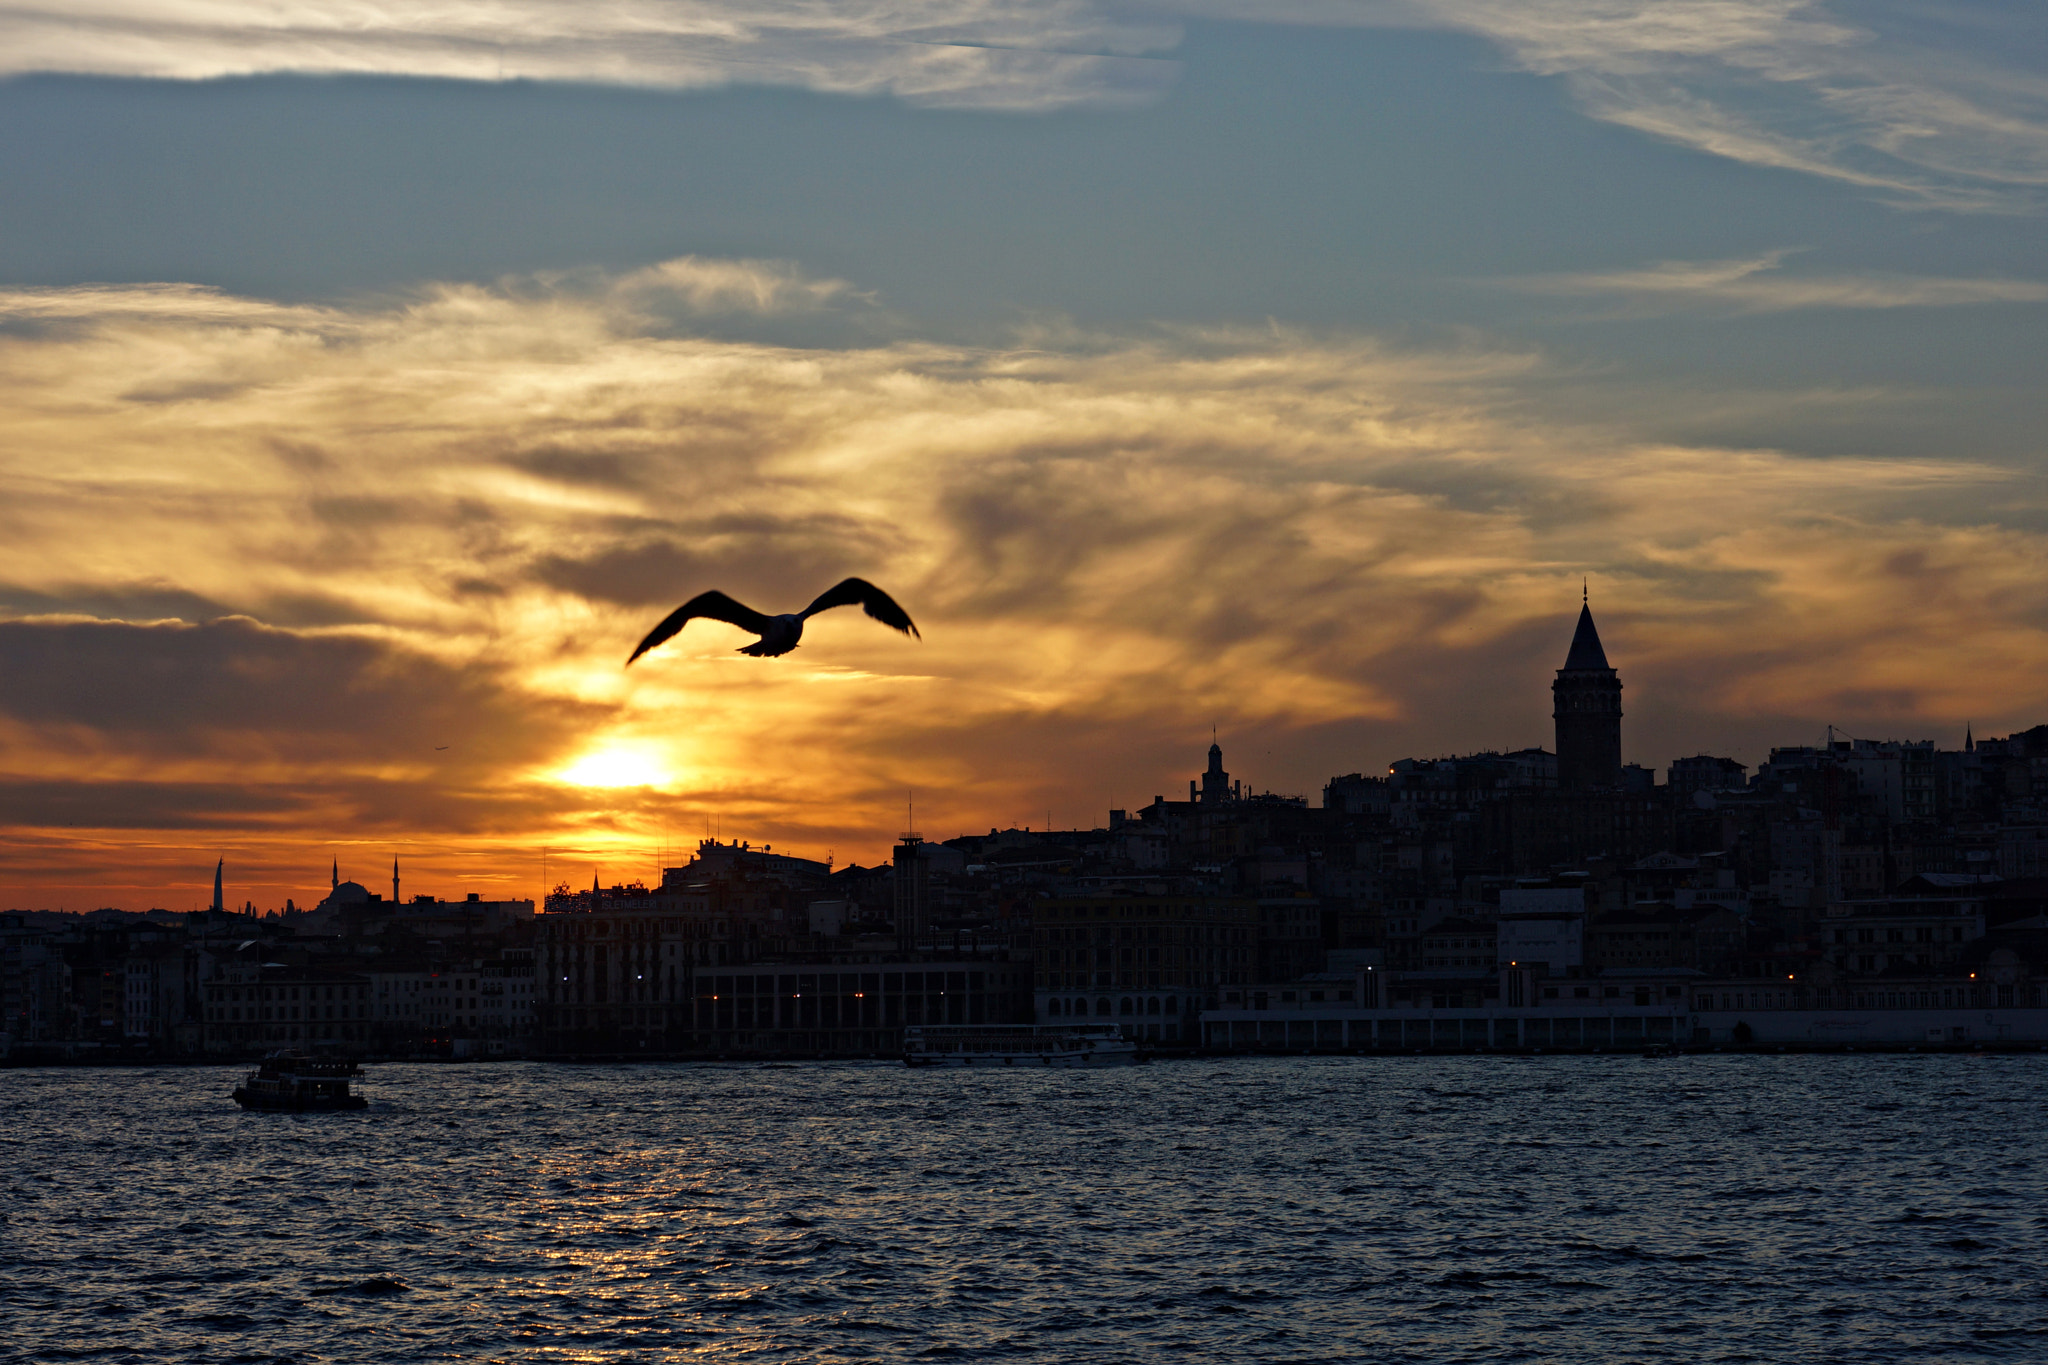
<point x="1586" y="704"/>
<point x="913" y="895"/>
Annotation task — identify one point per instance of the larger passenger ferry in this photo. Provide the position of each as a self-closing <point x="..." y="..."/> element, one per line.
<point x="1017" y="1045"/>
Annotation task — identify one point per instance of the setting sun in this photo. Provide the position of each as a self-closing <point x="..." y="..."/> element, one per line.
<point x="616" y="767"/>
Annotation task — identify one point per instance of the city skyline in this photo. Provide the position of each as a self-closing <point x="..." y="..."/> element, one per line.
<point x="1587" y="753"/>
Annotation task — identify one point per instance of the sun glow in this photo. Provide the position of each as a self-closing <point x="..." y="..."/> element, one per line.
<point x="616" y="766"/>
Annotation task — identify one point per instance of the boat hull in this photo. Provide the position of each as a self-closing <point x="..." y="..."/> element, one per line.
<point x="1015" y="1045"/>
<point x="256" y="1099"/>
<point x="999" y="1060"/>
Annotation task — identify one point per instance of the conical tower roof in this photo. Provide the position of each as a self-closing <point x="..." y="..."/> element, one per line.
<point x="1586" y="651"/>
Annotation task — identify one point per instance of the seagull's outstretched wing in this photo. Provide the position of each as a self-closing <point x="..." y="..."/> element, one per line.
<point x="714" y="605"/>
<point x="872" y="600"/>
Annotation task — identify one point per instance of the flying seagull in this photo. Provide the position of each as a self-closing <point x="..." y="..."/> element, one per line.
<point x="779" y="634"/>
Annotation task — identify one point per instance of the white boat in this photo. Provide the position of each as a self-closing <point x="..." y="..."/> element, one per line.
<point x="1017" y="1045"/>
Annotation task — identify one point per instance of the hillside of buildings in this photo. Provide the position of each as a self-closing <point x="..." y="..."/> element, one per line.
<point x="1851" y="874"/>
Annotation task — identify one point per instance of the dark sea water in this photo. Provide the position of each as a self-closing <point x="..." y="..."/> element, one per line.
<point x="1582" y="1209"/>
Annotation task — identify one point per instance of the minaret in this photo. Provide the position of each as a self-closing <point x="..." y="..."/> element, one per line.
<point x="1587" y="709"/>
<point x="218" y="903"/>
<point x="394" y="881"/>
<point x="334" y="876"/>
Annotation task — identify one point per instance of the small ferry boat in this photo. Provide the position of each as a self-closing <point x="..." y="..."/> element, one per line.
<point x="1017" y="1045"/>
<point x="294" y="1080"/>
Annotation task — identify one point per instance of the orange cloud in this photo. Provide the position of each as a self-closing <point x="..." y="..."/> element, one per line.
<point x="265" y="562"/>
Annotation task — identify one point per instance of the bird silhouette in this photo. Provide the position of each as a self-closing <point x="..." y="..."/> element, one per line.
<point x="779" y="634"/>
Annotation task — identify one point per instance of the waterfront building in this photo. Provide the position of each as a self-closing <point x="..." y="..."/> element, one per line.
<point x="1462" y="1009"/>
<point x="1659" y="934"/>
<point x="1995" y="992"/>
<point x="506" y="1007"/>
<point x="1542" y="927"/>
<point x="1460" y="944"/>
<point x="251" y="1005"/>
<point x="785" y="1008"/>
<point x="1147" y="961"/>
<point x="725" y="962"/>
<point x="158" y="982"/>
<point x="1909" y="930"/>
<point x="628" y="959"/>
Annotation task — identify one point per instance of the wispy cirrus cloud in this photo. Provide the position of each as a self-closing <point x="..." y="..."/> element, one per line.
<point x="744" y="286"/>
<point x="1755" y="284"/>
<point x="1924" y="109"/>
<point x="1931" y="107"/>
<point x="1935" y="108"/>
<point x="954" y="53"/>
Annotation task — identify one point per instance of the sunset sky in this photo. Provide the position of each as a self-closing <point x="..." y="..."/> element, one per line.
<point x="373" y="375"/>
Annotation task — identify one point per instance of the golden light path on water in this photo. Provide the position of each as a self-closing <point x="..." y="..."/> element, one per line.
<point x="1421" y="1209"/>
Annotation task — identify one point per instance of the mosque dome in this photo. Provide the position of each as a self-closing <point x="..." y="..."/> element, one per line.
<point x="346" y="896"/>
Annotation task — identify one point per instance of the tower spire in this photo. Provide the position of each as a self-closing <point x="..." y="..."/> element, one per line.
<point x="1586" y="652"/>
<point x="1587" y="709"/>
<point x="218" y="868"/>
<point x="394" y="880"/>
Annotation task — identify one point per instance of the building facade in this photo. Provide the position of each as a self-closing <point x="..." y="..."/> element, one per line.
<point x="1150" y="963"/>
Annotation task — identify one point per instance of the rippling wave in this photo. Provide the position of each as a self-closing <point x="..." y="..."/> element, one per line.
<point x="1428" y="1209"/>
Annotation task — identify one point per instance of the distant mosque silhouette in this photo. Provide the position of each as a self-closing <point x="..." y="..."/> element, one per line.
<point x="1586" y="704"/>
